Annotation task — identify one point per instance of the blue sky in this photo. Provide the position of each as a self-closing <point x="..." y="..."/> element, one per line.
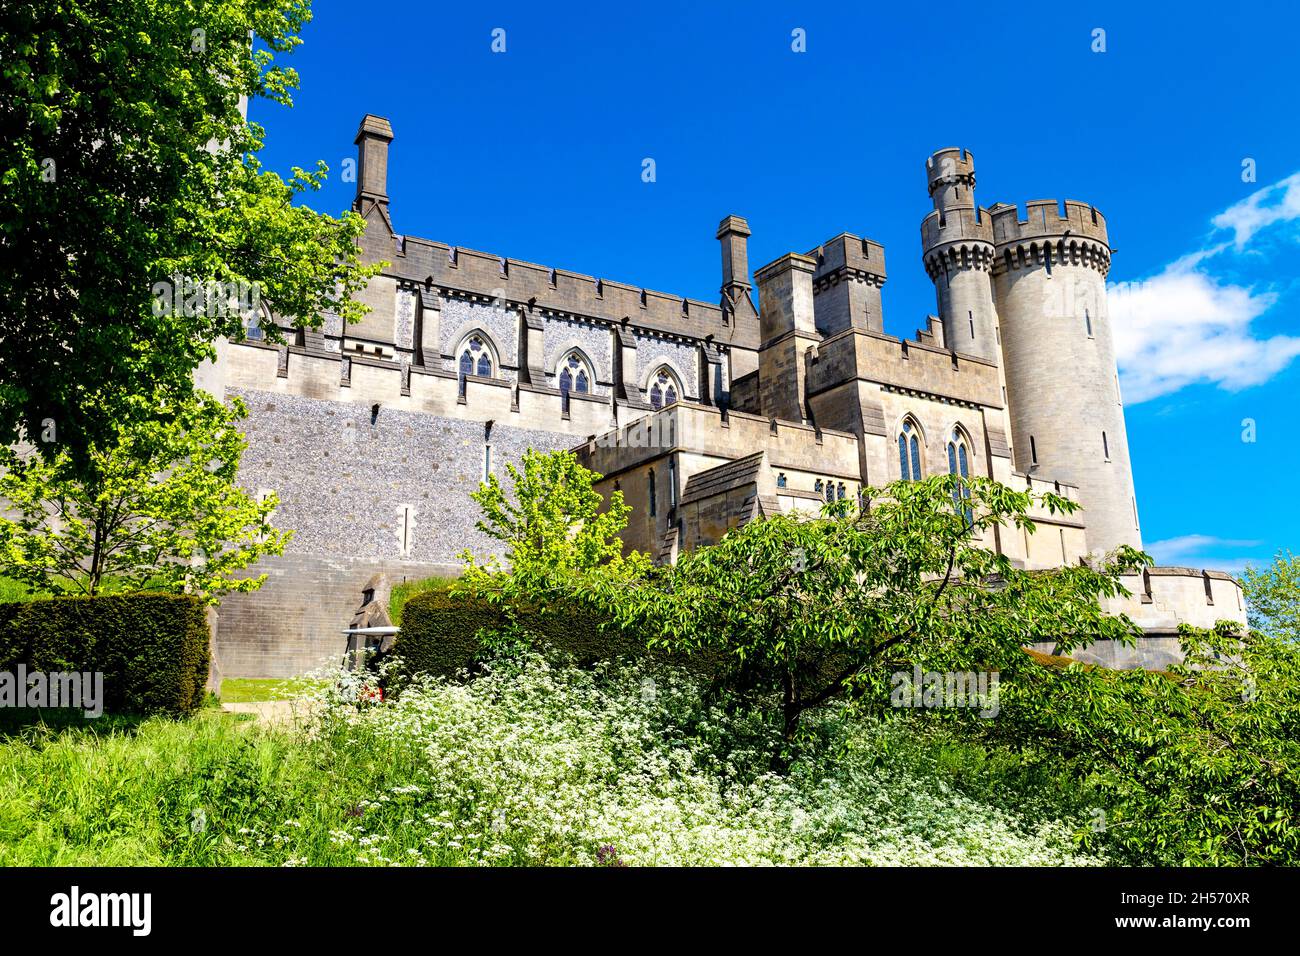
<point x="536" y="153"/>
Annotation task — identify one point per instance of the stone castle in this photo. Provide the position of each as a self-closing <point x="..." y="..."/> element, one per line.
<point x="706" y="415"/>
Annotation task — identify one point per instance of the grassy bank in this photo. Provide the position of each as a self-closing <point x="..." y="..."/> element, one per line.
<point x="534" y="765"/>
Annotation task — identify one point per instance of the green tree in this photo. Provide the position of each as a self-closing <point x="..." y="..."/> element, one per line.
<point x="554" y="524"/>
<point x="1273" y="594"/>
<point x="812" y="609"/>
<point x="160" y="510"/>
<point x="133" y="208"/>
<point x="1196" y="765"/>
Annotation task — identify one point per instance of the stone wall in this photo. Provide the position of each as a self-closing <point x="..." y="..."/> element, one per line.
<point x="360" y="495"/>
<point x="294" y="624"/>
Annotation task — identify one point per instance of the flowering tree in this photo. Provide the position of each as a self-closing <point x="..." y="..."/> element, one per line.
<point x="158" y="507"/>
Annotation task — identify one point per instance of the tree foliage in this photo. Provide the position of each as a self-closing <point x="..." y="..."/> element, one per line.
<point x="1197" y="765"/>
<point x="554" y="524"/>
<point x="160" y="509"/>
<point x="813" y="609"/>
<point x="1273" y="594"/>
<point x="127" y="168"/>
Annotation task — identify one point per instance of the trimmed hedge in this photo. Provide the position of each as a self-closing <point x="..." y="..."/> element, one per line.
<point x="151" y="648"/>
<point x="438" y="635"/>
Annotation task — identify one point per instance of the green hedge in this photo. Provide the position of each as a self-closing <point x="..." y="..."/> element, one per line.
<point x="151" y="648"/>
<point x="439" y="631"/>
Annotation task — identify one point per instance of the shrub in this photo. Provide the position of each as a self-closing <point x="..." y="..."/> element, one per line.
<point x="151" y="648"/>
<point x="403" y="591"/>
<point x="1195" y="765"/>
<point x="441" y="633"/>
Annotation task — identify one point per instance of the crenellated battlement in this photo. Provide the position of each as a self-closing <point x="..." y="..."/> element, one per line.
<point x="957" y="239"/>
<point x="1044" y="220"/>
<point x="950" y="165"/>
<point x="849" y="255"/>
<point x="1077" y="236"/>
<point x="425" y="262"/>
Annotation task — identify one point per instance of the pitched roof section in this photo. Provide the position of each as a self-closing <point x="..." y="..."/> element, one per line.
<point x="728" y="476"/>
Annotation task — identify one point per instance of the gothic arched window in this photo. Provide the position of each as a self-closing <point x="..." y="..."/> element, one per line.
<point x="475" y="359"/>
<point x="663" y="388"/>
<point x="574" y="377"/>
<point x="959" y="464"/>
<point x="909" y="451"/>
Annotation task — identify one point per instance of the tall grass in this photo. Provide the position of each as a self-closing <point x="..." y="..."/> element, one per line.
<point x="11" y="590"/>
<point x="531" y="764"/>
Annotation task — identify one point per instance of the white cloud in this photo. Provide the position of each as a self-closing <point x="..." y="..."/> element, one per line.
<point x="1185" y="325"/>
<point x="1182" y="326"/>
<point x="1279" y="202"/>
<point x="1189" y="550"/>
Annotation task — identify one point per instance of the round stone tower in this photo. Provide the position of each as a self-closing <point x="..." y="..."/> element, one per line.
<point x="1067" y="420"/>
<point x="957" y="239"/>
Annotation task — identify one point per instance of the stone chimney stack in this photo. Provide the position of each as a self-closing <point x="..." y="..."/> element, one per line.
<point x="372" y="142"/>
<point x="733" y="233"/>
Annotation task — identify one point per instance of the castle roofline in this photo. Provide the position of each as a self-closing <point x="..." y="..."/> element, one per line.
<point x="570" y="274"/>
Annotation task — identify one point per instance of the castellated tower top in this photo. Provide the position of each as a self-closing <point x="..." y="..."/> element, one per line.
<point x="1077" y="233"/>
<point x="951" y="176"/>
<point x="956" y="222"/>
<point x="1045" y="220"/>
<point x="957" y="244"/>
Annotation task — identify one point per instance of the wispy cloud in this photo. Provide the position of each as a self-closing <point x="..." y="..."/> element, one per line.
<point x="1203" y="551"/>
<point x="1262" y="208"/>
<point x="1191" y="323"/>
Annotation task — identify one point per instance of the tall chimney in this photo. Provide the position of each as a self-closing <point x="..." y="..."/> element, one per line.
<point x="372" y="141"/>
<point x="733" y="233"/>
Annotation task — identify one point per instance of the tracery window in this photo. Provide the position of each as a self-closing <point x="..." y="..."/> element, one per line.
<point x="574" y="377"/>
<point x="475" y="359"/>
<point x="909" y="451"/>
<point x="959" y="464"/>
<point x="663" y="388"/>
